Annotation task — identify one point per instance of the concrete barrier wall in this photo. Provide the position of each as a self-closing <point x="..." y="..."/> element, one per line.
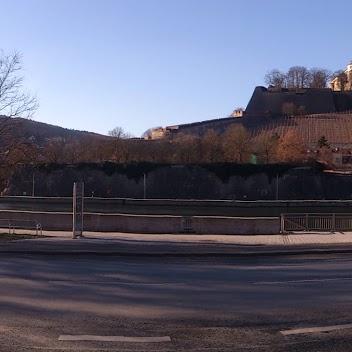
<point x="172" y="207"/>
<point x="48" y="220"/>
<point x="236" y="225"/>
<point x="132" y="223"/>
<point x="61" y="221"/>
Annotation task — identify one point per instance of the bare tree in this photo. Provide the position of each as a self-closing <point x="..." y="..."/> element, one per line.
<point x="187" y="148"/>
<point x="211" y="147"/>
<point x="276" y="78"/>
<point x="266" y="147"/>
<point x="54" y="151"/>
<point x="120" y="133"/>
<point x="14" y="101"/>
<point x="290" y="148"/>
<point x="237" y="144"/>
<point x="119" y="145"/>
<point x="319" y="77"/>
<point x="298" y="77"/>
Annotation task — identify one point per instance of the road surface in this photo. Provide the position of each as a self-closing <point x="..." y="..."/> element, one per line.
<point x="80" y="303"/>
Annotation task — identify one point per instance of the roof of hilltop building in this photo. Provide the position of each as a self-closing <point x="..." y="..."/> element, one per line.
<point x="288" y="101"/>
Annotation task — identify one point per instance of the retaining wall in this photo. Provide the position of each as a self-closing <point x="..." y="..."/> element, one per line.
<point x="178" y="207"/>
<point x="150" y="223"/>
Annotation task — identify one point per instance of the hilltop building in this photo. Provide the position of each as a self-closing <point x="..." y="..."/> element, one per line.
<point x="239" y="112"/>
<point x="271" y="106"/>
<point x="311" y="113"/>
<point x="337" y="85"/>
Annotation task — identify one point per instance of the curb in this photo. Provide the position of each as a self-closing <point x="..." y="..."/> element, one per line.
<point x="182" y="254"/>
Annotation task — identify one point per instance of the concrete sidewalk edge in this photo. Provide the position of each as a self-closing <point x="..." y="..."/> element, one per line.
<point x="258" y="253"/>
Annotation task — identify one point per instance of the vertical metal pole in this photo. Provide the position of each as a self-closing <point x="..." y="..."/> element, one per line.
<point x="74" y="210"/>
<point x="282" y="223"/>
<point x="333" y="225"/>
<point x="144" y="186"/>
<point x="78" y="209"/>
<point x="82" y="209"/>
<point x="277" y="187"/>
<point x="33" y="183"/>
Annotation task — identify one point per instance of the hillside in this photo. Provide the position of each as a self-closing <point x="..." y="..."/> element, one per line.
<point x="39" y="132"/>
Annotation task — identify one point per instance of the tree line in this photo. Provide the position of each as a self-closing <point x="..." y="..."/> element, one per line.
<point x="235" y="145"/>
<point x="303" y="77"/>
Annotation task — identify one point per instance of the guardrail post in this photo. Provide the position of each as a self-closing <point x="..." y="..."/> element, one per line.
<point x="333" y="224"/>
<point x="307" y="222"/>
<point x="282" y="223"/>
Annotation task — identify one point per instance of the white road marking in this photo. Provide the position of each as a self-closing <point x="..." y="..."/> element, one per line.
<point x="300" y="281"/>
<point x="115" y="283"/>
<point x="315" y="329"/>
<point x="144" y="339"/>
<point x="205" y="349"/>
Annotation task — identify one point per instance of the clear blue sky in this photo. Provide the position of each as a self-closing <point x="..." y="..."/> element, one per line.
<point x="97" y="64"/>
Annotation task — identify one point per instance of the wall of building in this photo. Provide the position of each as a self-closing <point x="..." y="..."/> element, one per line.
<point x="335" y="84"/>
<point x="275" y="102"/>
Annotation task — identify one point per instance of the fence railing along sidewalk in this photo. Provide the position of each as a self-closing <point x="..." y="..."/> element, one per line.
<point x="19" y="224"/>
<point x="334" y="222"/>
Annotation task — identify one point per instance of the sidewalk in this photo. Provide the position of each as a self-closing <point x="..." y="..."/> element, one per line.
<point x="248" y="240"/>
<point x="125" y="244"/>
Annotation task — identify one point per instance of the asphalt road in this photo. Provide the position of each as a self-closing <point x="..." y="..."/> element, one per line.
<point x="200" y="305"/>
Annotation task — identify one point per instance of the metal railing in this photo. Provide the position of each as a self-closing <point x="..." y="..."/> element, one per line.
<point x="316" y="222"/>
<point x="20" y="224"/>
<point x="187" y="224"/>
